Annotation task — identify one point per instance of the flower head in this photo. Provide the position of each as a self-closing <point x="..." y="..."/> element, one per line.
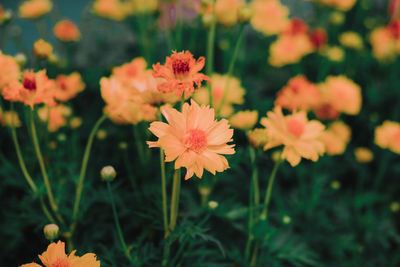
<point x="244" y="120"/>
<point x="66" y="31"/>
<point x="363" y="154"/>
<point x="387" y="136"/>
<point x="10" y="118"/>
<point x="33" y="9"/>
<point x="56" y="117"/>
<point x="298" y="94"/>
<point x="351" y="40"/>
<point x="35" y="88"/>
<point x="180" y="74"/>
<point x="112" y="9"/>
<point x="42" y="49"/>
<point x="9" y="70"/>
<point x="227" y="11"/>
<point x="299" y="136"/>
<point x="55" y="256"/>
<point x="194" y="139"/>
<point x="276" y="13"/>
<point x="68" y="86"/>
<point x="336" y="137"/>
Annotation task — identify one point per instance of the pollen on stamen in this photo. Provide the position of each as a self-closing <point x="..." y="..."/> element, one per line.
<point x="195" y="140"/>
<point x="180" y="66"/>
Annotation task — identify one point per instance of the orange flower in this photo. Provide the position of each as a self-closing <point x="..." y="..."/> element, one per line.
<point x="383" y="44"/>
<point x="363" y="154"/>
<point x="227" y="11"/>
<point x="299" y="136"/>
<point x="10" y="118"/>
<point x="340" y="94"/>
<point x="33" y="9"/>
<point x="180" y="73"/>
<point x="55" y="256"/>
<point x="35" y="88"/>
<point x="276" y="13"/>
<point x="42" y="49"/>
<point x="244" y="120"/>
<point x="54" y="116"/>
<point x="133" y="73"/>
<point x="388" y="136"/>
<point x="124" y="104"/>
<point x="235" y="94"/>
<point x="112" y="9"/>
<point x="66" y="31"/>
<point x="9" y="70"/>
<point x="194" y="139"/>
<point x="68" y="86"/>
<point x="299" y="93"/>
<point x="336" y="138"/>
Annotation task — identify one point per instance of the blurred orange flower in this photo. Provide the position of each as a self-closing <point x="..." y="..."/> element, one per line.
<point x="227" y="11"/>
<point x="244" y="120"/>
<point x="133" y="73"/>
<point x="10" y="118"/>
<point x="35" y="88"/>
<point x="42" y="49"/>
<point x="55" y="256"/>
<point x="340" y="94"/>
<point x="33" y="9"/>
<point x="66" y="31"/>
<point x="299" y="136"/>
<point x="384" y="46"/>
<point x="180" y="74"/>
<point x="276" y="13"/>
<point x="235" y="94"/>
<point x="112" y="9"/>
<point x="336" y="137"/>
<point x="9" y="70"/>
<point x="387" y="136"/>
<point x="298" y="94"/>
<point x="68" y="86"/>
<point x="194" y="139"/>
<point x="56" y="117"/>
<point x="363" y="154"/>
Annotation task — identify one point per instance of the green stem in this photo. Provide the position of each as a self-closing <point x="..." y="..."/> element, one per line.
<point x="164" y="193"/>
<point x="176" y="187"/>
<point x="39" y="156"/>
<point x="139" y="144"/>
<point x="85" y="160"/>
<point x="117" y="225"/>
<point x="210" y="52"/>
<point x="264" y="213"/>
<point x="231" y="67"/>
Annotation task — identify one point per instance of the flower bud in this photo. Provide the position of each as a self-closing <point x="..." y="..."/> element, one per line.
<point x="75" y="122"/>
<point x="207" y="20"/>
<point x="21" y="60"/>
<point x="123" y="145"/>
<point x="395" y="207"/>
<point x="286" y="219"/>
<point x="244" y="14"/>
<point x="42" y="49"/>
<point x="212" y="205"/>
<point x="335" y="185"/>
<point x="51" y="231"/>
<point x="108" y="173"/>
<point x="101" y="134"/>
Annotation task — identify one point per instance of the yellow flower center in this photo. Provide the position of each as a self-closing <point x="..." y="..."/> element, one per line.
<point x="195" y="140"/>
<point x="295" y="127"/>
<point x="60" y="263"/>
<point x="29" y="81"/>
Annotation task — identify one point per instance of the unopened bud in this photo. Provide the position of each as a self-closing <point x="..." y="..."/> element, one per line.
<point x="207" y="20"/>
<point x="51" y="231"/>
<point x="212" y="205"/>
<point x="244" y="14"/>
<point x="108" y="173"/>
<point x="21" y="60"/>
<point x="101" y="134"/>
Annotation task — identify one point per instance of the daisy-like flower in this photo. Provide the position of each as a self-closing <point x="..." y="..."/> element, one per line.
<point x="68" y="86"/>
<point x="299" y="136"/>
<point x="277" y="14"/>
<point x="55" y="256"/>
<point x="35" y="88"/>
<point x="194" y="139"/>
<point x="180" y="74"/>
<point x="56" y="117"/>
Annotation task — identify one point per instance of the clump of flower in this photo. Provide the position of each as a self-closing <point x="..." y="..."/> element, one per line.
<point x="193" y="139"/>
<point x="68" y="86"/>
<point x="55" y="117"/>
<point x="66" y="31"/>
<point x="277" y="14"/>
<point x="180" y="74"/>
<point x="387" y="136"/>
<point x="55" y="256"/>
<point x="34" y="88"/>
<point x="299" y="136"/>
<point x="351" y="40"/>
<point x="291" y="46"/>
<point x="234" y="95"/>
<point x="42" y="49"/>
<point x="298" y="94"/>
<point x="339" y="95"/>
<point x="9" y="70"/>
<point x="33" y="9"/>
<point x="244" y="120"/>
<point x="363" y="154"/>
<point x="336" y="137"/>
